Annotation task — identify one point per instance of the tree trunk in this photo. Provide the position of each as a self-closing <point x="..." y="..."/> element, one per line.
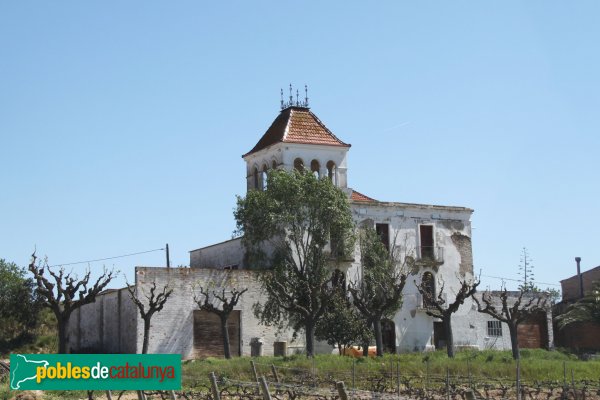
<point x="447" y="321"/>
<point x="378" y="338"/>
<point x="62" y="323"/>
<point x="514" y="340"/>
<point x="225" y="334"/>
<point x="146" y="335"/>
<point x="310" y="339"/>
<point x="366" y="344"/>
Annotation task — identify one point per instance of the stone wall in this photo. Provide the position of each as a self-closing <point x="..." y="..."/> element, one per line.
<point x="451" y="234"/>
<point x="106" y="326"/>
<point x="172" y="328"/>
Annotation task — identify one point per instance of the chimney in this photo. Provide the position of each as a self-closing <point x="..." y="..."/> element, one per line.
<point x="578" y="261"/>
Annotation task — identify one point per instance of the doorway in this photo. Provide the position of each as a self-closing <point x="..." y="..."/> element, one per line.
<point x="439" y="335"/>
<point x="388" y="336"/>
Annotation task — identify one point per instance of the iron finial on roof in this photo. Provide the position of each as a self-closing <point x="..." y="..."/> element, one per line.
<point x="297" y="103"/>
<point x="306" y="96"/>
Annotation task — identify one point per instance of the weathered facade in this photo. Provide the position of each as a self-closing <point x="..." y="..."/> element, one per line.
<point x="437" y="238"/>
<point x="106" y="325"/>
<point x="535" y="332"/>
<point x="113" y="324"/>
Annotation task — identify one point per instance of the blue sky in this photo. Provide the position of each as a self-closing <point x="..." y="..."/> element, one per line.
<point x="122" y="124"/>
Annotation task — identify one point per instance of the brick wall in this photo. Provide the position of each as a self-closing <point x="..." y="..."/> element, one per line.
<point x="581" y="337"/>
<point x="570" y="286"/>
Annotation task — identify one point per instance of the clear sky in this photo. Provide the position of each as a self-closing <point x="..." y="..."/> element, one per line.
<point x="122" y="123"/>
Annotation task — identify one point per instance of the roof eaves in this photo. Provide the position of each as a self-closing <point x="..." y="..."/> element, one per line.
<point x="416" y="205"/>
<point x="327" y="129"/>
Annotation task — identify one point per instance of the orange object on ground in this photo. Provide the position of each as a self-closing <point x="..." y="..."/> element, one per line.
<point x="357" y="351"/>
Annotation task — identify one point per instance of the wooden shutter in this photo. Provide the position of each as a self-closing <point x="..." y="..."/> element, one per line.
<point x="208" y="340"/>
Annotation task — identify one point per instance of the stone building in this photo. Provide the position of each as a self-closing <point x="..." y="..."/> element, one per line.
<point x="437" y="237"/>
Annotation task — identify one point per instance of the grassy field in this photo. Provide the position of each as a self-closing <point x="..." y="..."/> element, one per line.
<point x="536" y="365"/>
<point x="416" y="369"/>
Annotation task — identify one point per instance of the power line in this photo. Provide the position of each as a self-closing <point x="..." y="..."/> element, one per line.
<point x="107" y="258"/>
<point x="517" y="280"/>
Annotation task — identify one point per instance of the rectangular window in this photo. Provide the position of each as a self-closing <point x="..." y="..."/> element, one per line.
<point x="383" y="231"/>
<point x="494" y="328"/>
<point x="426" y="236"/>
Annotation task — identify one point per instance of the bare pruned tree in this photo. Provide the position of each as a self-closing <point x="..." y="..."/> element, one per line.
<point x="155" y="301"/>
<point x="64" y="293"/>
<point x="498" y="305"/>
<point x="378" y="292"/>
<point x="206" y="302"/>
<point x="437" y="306"/>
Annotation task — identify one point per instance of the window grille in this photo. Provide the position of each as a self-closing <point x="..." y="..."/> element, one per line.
<point x="494" y="328"/>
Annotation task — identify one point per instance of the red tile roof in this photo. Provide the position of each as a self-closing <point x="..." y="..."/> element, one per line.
<point x="357" y="196"/>
<point x="297" y="125"/>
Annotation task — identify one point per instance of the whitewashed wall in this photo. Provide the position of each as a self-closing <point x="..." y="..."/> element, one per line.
<point x="284" y="154"/>
<point x="228" y="253"/>
<point x="452" y="232"/>
<point x="172" y="328"/>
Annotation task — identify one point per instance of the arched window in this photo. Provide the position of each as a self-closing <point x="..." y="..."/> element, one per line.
<point x="255" y="174"/>
<point x="338" y="280"/>
<point x="274" y="164"/>
<point x="315" y="167"/>
<point x="331" y="172"/>
<point x="429" y="286"/>
<point x="263" y="177"/>
<point x="299" y="164"/>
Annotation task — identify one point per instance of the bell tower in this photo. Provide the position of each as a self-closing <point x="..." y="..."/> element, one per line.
<point x="297" y="139"/>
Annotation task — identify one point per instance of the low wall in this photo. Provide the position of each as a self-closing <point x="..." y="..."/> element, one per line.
<point x="106" y="326"/>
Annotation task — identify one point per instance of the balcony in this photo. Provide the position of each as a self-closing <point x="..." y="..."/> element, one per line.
<point x="423" y="304"/>
<point x="431" y="255"/>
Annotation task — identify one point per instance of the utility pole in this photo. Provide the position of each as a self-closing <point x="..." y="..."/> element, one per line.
<point x="168" y="260"/>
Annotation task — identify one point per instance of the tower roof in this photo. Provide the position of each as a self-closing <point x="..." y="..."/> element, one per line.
<point x="297" y="125"/>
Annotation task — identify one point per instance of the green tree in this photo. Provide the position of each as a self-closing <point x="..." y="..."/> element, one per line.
<point x="586" y="309"/>
<point x="297" y="227"/>
<point x="342" y="324"/>
<point x="377" y="293"/>
<point x="19" y="303"/>
<point x="526" y="271"/>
